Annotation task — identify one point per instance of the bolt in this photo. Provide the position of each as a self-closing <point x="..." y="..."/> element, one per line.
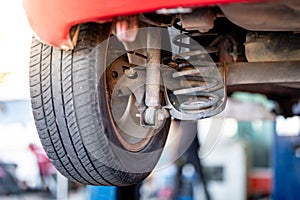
<point x="160" y="116"/>
<point x="130" y="73"/>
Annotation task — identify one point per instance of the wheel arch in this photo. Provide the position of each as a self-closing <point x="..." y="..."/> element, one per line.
<point x="52" y="20"/>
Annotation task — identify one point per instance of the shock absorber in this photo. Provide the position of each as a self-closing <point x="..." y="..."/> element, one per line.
<point x="201" y="92"/>
<point x="152" y="99"/>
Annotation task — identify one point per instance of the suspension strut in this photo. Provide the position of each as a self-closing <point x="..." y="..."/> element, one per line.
<point x="201" y="92"/>
<point x="152" y="98"/>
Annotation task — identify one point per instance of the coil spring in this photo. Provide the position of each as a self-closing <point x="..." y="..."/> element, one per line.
<point x="205" y="92"/>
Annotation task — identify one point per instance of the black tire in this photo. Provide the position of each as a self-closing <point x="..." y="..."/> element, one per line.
<point x="73" y="118"/>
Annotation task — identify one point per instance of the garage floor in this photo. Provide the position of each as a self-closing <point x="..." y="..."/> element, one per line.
<point x="78" y="195"/>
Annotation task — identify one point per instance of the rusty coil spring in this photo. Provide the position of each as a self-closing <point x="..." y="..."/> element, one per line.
<point x="196" y="69"/>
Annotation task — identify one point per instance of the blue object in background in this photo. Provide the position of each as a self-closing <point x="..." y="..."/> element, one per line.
<point x="15" y="111"/>
<point x="102" y="192"/>
<point x="286" y="158"/>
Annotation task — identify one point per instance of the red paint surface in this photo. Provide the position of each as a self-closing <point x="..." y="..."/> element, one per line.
<point x="51" y="19"/>
<point x="260" y="184"/>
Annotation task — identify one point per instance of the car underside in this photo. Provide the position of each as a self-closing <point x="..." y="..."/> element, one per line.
<point x="107" y="78"/>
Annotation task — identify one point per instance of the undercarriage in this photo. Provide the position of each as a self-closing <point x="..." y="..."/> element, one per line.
<point x="255" y="47"/>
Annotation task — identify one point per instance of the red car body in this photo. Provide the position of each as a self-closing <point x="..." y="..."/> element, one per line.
<point x="52" y="20"/>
